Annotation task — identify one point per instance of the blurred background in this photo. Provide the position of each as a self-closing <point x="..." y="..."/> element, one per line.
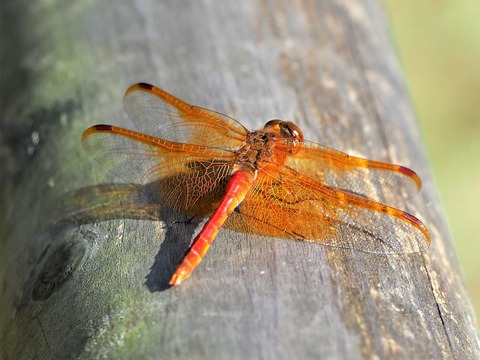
<point x="438" y="42"/>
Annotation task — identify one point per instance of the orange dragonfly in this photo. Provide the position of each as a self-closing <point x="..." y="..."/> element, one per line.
<point x="270" y="182"/>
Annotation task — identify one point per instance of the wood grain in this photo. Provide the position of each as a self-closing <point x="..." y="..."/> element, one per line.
<point x="85" y="259"/>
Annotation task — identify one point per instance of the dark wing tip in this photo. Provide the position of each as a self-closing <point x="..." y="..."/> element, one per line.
<point x="139" y="86"/>
<point x="419" y="225"/>
<point x="96" y="129"/>
<point x="411" y="174"/>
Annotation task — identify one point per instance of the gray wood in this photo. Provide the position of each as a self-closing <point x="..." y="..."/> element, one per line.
<point x="85" y="259"/>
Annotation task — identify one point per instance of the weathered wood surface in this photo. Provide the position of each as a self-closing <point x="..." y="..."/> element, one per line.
<point x="81" y="279"/>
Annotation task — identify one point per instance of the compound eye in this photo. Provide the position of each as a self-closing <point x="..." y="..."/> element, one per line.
<point x="274" y="124"/>
<point x="294" y="130"/>
<point x="286" y="129"/>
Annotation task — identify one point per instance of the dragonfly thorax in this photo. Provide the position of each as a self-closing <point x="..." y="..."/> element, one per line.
<point x="271" y="145"/>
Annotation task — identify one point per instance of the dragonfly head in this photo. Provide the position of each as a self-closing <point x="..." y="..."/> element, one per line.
<point x="285" y="129"/>
<point x="288" y="131"/>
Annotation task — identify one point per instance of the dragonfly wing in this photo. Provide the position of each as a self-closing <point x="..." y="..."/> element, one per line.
<point x="375" y="180"/>
<point x="156" y="112"/>
<point x="286" y="204"/>
<point x="187" y="178"/>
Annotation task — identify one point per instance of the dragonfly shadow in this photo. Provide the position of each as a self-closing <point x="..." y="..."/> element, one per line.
<point x="173" y="248"/>
<point x="127" y="201"/>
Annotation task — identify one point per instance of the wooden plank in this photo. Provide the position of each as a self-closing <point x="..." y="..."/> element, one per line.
<point x="84" y="266"/>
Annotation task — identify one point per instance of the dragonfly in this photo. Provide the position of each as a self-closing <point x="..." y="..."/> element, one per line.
<point x="270" y="182"/>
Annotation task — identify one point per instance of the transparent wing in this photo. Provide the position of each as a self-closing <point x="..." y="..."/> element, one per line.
<point x="188" y="178"/>
<point x="286" y="204"/>
<point x="157" y="113"/>
<point x="375" y="180"/>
